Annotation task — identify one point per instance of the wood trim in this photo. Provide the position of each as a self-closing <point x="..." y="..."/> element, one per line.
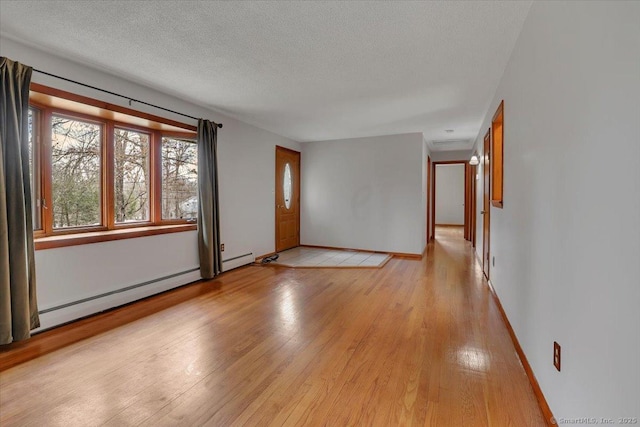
<point x="433" y="200"/>
<point x="37" y="154"/>
<point x="428" y="219"/>
<point x="467" y="223"/>
<point x="155" y="165"/>
<point x="474" y="204"/>
<point x="537" y="391"/>
<point x="108" y="167"/>
<point x="84" y="238"/>
<point x="46" y="151"/>
<point x="264" y="256"/>
<point x="486" y="203"/>
<point x="469" y="193"/>
<point x="405" y="255"/>
<point x="497" y="152"/>
<point x="395" y="254"/>
<point x="451" y="225"/>
<point x="36" y="87"/>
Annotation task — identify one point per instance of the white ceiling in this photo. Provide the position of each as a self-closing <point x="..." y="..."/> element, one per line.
<point x="305" y="70"/>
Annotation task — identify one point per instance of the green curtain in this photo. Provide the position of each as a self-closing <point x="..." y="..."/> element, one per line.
<point x="18" y="306"/>
<point x="208" y="211"/>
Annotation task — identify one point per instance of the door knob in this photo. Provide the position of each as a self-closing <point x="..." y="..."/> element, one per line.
<point x="482" y="212"/>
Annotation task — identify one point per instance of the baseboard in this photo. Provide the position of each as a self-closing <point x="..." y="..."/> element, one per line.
<point x="537" y="391"/>
<point x="259" y="257"/>
<point x="395" y="254"/>
<point x="406" y="255"/>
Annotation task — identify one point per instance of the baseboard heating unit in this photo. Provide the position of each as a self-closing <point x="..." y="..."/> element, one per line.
<point x="238" y="261"/>
<point x="72" y="310"/>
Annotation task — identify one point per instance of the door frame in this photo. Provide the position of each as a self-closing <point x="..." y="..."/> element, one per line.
<point x="470" y="204"/>
<point x="433" y="193"/>
<point x="429" y="223"/>
<point x="296" y="193"/>
<point x="486" y="203"/>
<point x="473" y="170"/>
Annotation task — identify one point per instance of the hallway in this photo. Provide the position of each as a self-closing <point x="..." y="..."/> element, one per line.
<point x="413" y="343"/>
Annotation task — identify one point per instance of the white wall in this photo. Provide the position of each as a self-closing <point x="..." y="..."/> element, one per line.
<point x="450" y="194"/>
<point x="247" y="178"/>
<point x="451" y="155"/>
<point x="567" y="243"/>
<point x="364" y="193"/>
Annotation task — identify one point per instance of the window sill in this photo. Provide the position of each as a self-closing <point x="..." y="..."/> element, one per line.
<point x="86" y="238"/>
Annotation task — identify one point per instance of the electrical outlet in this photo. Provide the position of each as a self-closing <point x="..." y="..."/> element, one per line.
<point x="222" y="247"/>
<point x="556" y="355"/>
<point x="493" y="262"/>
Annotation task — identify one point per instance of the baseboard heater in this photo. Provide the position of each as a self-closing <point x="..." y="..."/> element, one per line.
<point x="73" y="310"/>
<point x="238" y="261"/>
<point x="117" y="291"/>
<point x="227" y="265"/>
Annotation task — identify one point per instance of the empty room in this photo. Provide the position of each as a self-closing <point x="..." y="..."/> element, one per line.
<point x="340" y="213"/>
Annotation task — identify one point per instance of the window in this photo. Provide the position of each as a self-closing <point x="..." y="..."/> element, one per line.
<point x="96" y="170"/>
<point x="179" y="179"/>
<point x="75" y="172"/>
<point x="286" y="186"/>
<point x="497" y="157"/>
<point x="131" y="176"/>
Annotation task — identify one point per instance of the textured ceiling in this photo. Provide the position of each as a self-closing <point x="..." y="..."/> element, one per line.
<point x="305" y="70"/>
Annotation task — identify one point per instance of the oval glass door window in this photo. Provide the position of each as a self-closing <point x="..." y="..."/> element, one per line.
<point x="287" y="186"/>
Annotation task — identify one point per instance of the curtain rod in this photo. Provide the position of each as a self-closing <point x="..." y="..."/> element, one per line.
<point x="121" y="96"/>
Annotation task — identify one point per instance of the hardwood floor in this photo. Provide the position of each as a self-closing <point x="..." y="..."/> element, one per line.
<point x="413" y="343"/>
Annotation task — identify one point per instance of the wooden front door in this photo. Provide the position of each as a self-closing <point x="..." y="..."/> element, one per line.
<point x="486" y="185"/>
<point x="287" y="199"/>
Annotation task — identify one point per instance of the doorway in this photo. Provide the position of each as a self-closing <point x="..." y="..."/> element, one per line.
<point x="470" y="197"/>
<point x="486" y="202"/>
<point x="449" y="207"/>
<point x="287" y="202"/>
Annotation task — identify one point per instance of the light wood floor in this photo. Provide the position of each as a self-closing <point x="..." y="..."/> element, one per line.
<point x="414" y="343"/>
